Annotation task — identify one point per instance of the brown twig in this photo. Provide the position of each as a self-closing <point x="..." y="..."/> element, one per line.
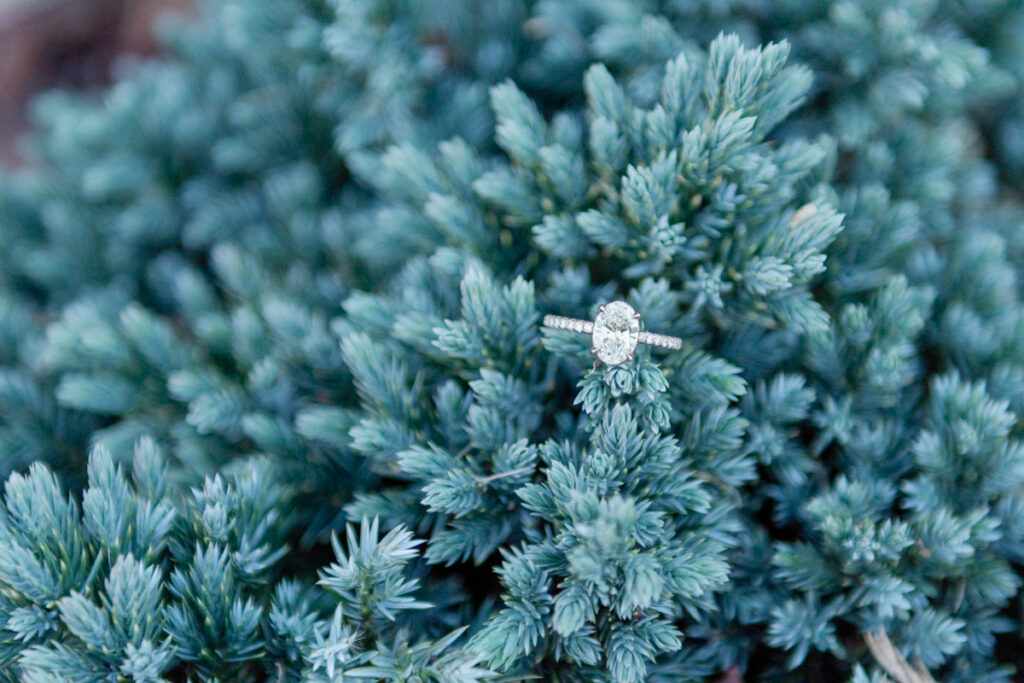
<point x="893" y="661"/>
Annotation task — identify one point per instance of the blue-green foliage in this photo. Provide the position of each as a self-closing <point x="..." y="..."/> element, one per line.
<point x="363" y="638"/>
<point x="291" y="278"/>
<point x="139" y="580"/>
<point x="137" y="576"/>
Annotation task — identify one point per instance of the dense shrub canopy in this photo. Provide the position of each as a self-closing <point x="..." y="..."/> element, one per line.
<point x="276" y="402"/>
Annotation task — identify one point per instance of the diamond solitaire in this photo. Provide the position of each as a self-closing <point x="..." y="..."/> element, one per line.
<point x="614" y="333"/>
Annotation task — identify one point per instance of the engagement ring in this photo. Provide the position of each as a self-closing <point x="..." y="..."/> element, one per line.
<point x="614" y="333"/>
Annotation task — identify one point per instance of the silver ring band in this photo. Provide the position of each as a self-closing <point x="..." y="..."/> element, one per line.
<point x="662" y="340"/>
<point x="560" y="322"/>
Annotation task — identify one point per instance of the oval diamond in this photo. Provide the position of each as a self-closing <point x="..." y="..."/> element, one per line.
<point x="616" y="330"/>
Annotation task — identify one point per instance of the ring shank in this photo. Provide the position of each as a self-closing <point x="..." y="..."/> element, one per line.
<point x="662" y="340"/>
<point x="560" y="322"/>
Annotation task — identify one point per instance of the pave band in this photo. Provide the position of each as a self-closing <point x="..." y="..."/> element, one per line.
<point x="662" y="340"/>
<point x="560" y="322"/>
<point x="615" y="332"/>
